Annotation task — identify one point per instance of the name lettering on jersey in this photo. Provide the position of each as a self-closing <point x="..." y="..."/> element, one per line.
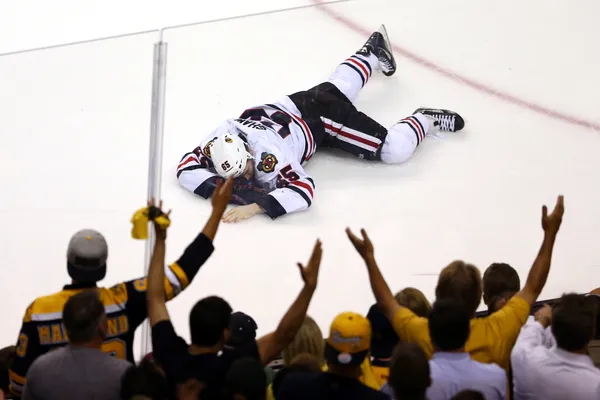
<point x="55" y="334"/>
<point x="251" y="124"/>
<point x="52" y="334"/>
<point x="267" y="162"/>
<point x="117" y="326"/>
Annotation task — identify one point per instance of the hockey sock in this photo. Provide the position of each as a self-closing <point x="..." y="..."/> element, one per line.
<point x="418" y="125"/>
<point x="403" y="138"/>
<point x="351" y="75"/>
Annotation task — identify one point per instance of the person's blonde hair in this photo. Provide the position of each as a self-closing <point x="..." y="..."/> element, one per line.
<point x="309" y="339"/>
<point x="414" y="300"/>
<point x="462" y="282"/>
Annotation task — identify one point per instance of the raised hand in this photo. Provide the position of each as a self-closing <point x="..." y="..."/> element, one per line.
<point x="161" y="233"/>
<point x="544" y="315"/>
<point x="310" y="273"/>
<point x="222" y="195"/>
<point x="363" y="246"/>
<point x="551" y="223"/>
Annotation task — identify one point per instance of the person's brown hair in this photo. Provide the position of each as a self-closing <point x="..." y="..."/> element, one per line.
<point x="574" y="321"/>
<point x="500" y="283"/>
<point x="414" y="300"/>
<point x="410" y="375"/>
<point x="460" y="281"/>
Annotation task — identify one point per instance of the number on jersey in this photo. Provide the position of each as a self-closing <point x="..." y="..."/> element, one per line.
<point x="286" y="175"/>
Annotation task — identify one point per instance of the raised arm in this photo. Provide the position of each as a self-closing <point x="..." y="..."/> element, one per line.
<point x="385" y="299"/>
<point x="538" y="274"/>
<point x="271" y="345"/>
<point x="198" y="252"/>
<point x="155" y="293"/>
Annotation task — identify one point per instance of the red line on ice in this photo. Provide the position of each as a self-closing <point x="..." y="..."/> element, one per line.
<point x="490" y="91"/>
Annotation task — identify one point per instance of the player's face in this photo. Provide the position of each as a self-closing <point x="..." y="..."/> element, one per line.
<point x="249" y="170"/>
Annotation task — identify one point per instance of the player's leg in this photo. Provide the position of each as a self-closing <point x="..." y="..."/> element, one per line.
<point x="345" y="83"/>
<point x="405" y="136"/>
<point x="350" y="130"/>
<point x="353" y="74"/>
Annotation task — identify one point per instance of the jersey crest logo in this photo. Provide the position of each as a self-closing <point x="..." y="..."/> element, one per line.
<point x="206" y="148"/>
<point x="267" y="162"/>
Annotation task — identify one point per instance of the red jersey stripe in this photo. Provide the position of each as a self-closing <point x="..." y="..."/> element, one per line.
<point x="303" y="185"/>
<point x="187" y="161"/>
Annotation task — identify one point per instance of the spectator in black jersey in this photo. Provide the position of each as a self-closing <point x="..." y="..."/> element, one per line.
<point x="125" y="302"/>
<point x="345" y="351"/>
<point x="207" y="359"/>
<point x="79" y="370"/>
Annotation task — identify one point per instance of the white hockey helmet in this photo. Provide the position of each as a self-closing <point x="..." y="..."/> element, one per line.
<point x="229" y="154"/>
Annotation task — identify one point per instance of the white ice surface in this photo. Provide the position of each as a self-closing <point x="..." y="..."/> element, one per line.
<point x="74" y="155"/>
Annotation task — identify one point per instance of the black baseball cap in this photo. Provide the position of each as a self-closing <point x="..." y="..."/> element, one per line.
<point x="243" y="329"/>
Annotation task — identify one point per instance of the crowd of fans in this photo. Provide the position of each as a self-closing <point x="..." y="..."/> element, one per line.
<point x="77" y="343"/>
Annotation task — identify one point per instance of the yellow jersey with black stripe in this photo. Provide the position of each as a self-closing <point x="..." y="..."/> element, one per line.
<point x="125" y="305"/>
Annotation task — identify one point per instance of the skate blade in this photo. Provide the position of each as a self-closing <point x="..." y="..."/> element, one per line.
<point x="383" y="31"/>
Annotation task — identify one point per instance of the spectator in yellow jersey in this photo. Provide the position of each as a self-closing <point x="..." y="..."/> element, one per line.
<point x="413" y="299"/>
<point x="124" y="303"/>
<point x="492" y="338"/>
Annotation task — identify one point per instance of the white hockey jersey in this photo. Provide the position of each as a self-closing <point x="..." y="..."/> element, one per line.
<point x="280" y="142"/>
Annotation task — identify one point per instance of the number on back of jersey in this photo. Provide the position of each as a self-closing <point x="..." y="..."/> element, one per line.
<point x="278" y="121"/>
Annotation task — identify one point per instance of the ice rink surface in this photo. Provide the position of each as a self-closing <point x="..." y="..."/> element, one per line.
<point x="524" y="75"/>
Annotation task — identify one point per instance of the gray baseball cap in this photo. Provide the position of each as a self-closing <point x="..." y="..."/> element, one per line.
<point x="86" y="256"/>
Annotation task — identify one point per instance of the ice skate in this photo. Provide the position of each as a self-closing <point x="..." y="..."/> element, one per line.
<point x="379" y="45"/>
<point x="442" y="120"/>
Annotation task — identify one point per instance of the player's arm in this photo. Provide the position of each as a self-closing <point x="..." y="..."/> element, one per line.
<point x="26" y="352"/>
<point x="538" y="274"/>
<point x="271" y="345"/>
<point x="295" y="191"/>
<point x="385" y="299"/>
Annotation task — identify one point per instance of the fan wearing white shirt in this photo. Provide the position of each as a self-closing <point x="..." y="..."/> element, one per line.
<point x="452" y="369"/>
<point x="564" y="371"/>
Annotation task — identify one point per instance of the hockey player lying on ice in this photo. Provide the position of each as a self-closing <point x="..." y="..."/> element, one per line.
<point x="265" y="148"/>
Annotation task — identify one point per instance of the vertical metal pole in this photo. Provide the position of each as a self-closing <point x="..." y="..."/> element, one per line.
<point x="157" y="121"/>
